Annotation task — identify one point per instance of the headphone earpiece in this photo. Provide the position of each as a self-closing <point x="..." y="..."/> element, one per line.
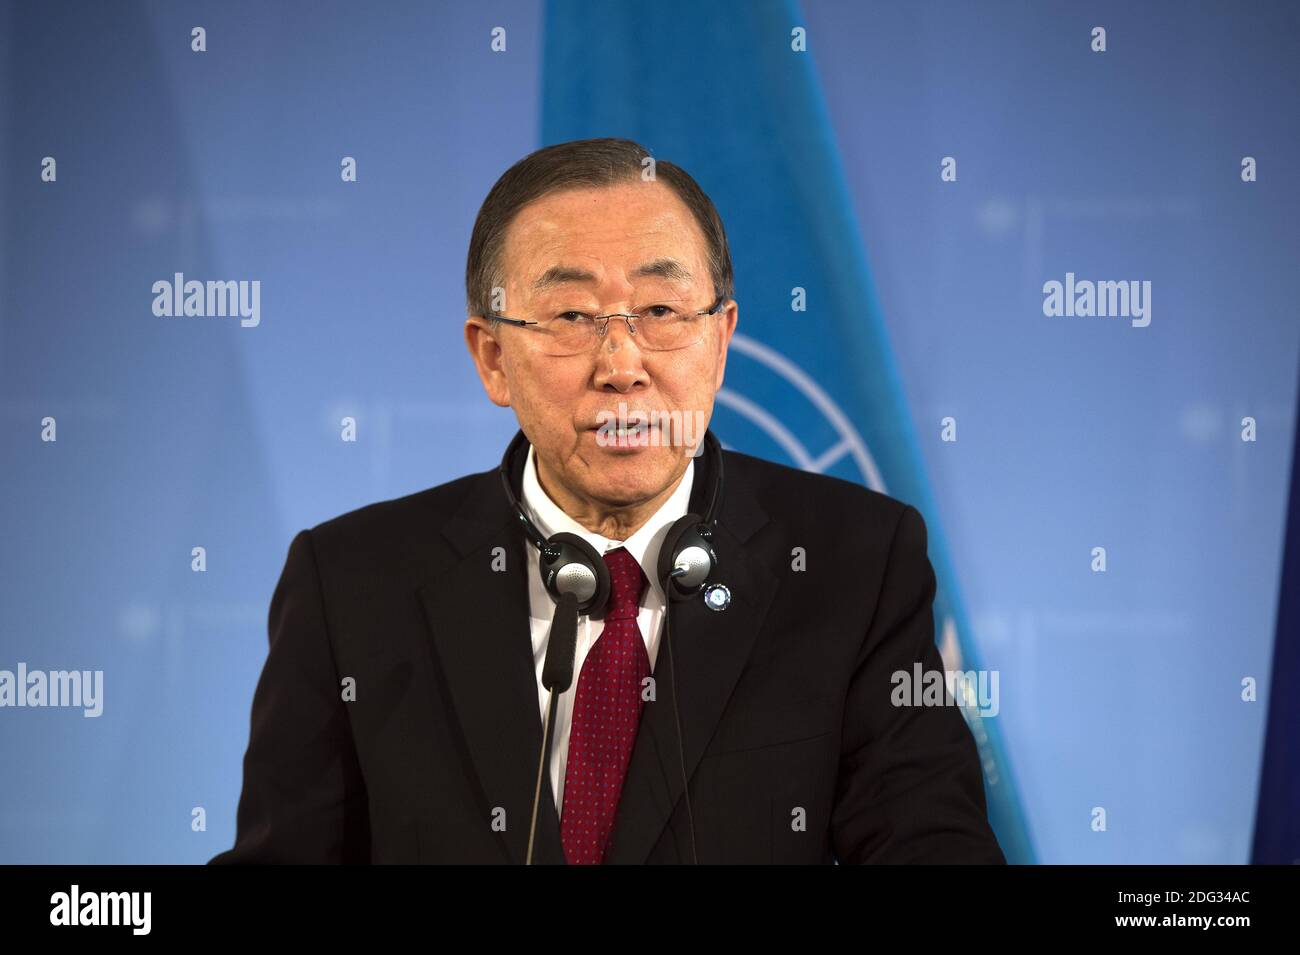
<point x="686" y="557"/>
<point x="570" y="565"/>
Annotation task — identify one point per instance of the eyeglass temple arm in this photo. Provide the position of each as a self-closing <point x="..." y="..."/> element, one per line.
<point x="716" y="305"/>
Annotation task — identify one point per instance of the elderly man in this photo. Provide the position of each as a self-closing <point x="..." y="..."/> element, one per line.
<point x="624" y="645"/>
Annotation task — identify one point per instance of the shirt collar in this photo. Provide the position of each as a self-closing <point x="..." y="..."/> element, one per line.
<point x="644" y="544"/>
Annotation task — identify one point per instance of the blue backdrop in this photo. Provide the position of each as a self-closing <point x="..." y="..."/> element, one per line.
<point x="1120" y="691"/>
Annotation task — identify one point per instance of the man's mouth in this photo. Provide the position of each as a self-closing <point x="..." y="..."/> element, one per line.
<point x="629" y="433"/>
<point x="637" y="428"/>
<point x="630" y="421"/>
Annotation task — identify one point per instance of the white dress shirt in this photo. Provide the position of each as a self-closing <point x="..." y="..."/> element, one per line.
<point x="643" y="545"/>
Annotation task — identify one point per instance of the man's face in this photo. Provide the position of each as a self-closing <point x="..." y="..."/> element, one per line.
<point x="603" y="240"/>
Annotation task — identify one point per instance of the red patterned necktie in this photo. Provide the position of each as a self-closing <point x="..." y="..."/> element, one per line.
<point x="606" y="711"/>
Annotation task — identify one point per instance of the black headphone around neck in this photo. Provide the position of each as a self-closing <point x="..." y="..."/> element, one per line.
<point x="569" y="565"/>
<point x="578" y="579"/>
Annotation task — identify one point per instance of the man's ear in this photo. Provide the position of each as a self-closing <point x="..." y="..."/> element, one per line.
<point x="485" y="349"/>
<point x="730" y="315"/>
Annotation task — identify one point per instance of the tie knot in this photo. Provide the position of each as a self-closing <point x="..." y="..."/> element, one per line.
<point x="626" y="583"/>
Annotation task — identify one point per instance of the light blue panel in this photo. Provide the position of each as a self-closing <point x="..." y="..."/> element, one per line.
<point x="183" y="432"/>
<point x="1119" y="690"/>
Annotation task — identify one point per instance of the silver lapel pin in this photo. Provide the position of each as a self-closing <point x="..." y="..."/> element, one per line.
<point x="717" y="597"/>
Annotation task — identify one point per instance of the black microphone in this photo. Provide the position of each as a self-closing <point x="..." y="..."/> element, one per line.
<point x="557" y="676"/>
<point x="562" y="645"/>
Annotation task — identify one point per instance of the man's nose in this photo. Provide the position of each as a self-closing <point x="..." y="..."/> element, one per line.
<point x="619" y="356"/>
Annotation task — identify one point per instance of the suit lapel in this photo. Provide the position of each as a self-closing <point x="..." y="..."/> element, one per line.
<point x="710" y="649"/>
<point x="479" y="619"/>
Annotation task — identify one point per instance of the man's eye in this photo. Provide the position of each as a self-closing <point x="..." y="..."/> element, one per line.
<point x="660" y="311"/>
<point x="571" y="316"/>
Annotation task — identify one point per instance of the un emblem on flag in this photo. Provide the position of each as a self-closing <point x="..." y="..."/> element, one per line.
<point x="795" y="419"/>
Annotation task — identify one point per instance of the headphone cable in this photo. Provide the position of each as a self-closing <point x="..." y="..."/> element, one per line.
<point x="677" y="719"/>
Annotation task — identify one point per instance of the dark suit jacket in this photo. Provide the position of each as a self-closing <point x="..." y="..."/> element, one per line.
<point x="784" y="697"/>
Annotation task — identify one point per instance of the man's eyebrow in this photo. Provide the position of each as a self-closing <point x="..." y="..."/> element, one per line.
<point x="665" y="269"/>
<point x="559" y="275"/>
<point x="660" y="268"/>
